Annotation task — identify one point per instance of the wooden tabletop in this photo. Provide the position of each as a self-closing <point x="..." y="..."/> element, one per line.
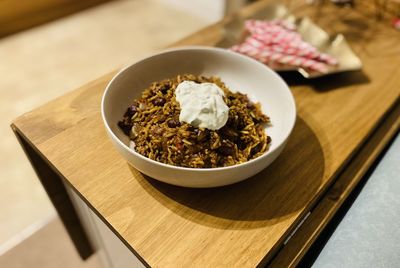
<point x="241" y="225"/>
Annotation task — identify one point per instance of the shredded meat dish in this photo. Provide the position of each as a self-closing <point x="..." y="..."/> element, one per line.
<point x="152" y="123"/>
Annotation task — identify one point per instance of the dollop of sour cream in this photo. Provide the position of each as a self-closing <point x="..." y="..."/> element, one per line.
<point x="202" y="104"/>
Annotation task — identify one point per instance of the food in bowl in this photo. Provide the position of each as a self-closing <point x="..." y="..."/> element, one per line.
<point x="238" y="72"/>
<point x="197" y="122"/>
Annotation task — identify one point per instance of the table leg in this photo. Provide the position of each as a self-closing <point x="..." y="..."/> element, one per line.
<point x="52" y="183"/>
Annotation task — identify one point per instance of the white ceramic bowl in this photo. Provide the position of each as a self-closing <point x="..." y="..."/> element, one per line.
<point x="240" y="73"/>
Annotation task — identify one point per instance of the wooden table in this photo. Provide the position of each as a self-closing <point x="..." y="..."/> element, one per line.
<point x="344" y="122"/>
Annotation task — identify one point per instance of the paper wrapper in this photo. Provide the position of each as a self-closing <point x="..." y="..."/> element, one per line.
<point x="335" y="46"/>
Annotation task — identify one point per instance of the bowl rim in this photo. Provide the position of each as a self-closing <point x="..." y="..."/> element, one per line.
<point x="193" y="48"/>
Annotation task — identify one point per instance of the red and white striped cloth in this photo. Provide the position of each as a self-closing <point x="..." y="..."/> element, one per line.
<point x="277" y="42"/>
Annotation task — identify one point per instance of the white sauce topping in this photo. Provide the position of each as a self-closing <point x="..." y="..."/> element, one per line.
<point x="202" y="105"/>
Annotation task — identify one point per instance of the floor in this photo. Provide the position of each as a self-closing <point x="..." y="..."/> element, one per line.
<point x="54" y="241"/>
<point x="45" y="62"/>
<point x="368" y="234"/>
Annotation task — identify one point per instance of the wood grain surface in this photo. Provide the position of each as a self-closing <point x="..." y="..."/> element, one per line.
<point x="243" y="224"/>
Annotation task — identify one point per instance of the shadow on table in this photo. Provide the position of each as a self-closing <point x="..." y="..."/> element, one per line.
<point x="328" y="82"/>
<point x="284" y="188"/>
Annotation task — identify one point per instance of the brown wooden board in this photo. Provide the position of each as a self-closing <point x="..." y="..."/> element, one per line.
<point x="243" y="224"/>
